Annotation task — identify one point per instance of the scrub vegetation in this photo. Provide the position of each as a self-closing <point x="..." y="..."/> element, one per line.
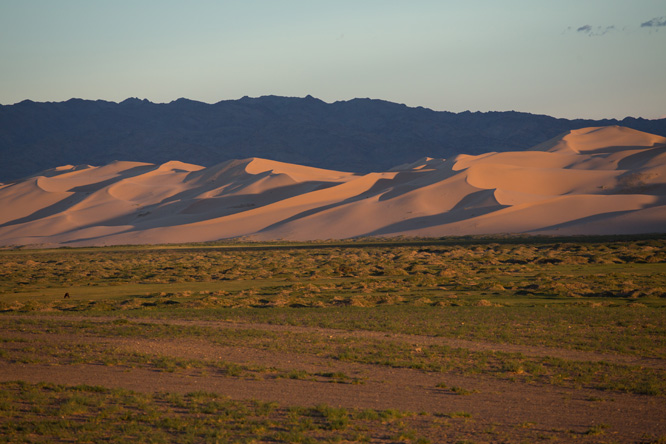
<point x="571" y="313"/>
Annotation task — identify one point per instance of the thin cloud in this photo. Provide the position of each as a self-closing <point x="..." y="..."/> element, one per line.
<point x="595" y="31"/>
<point x="598" y="31"/>
<point x="654" y="23"/>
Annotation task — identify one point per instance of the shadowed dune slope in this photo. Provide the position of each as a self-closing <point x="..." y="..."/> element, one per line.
<point x="606" y="180"/>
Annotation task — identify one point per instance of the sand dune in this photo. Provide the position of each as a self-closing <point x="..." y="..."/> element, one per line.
<point x="606" y="180"/>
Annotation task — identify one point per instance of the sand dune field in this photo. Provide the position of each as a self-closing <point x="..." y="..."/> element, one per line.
<point x="605" y="180"/>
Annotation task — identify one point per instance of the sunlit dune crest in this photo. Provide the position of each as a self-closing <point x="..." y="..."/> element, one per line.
<point x="605" y="180"/>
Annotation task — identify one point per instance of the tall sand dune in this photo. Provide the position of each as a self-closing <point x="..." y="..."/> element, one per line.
<point x="605" y="180"/>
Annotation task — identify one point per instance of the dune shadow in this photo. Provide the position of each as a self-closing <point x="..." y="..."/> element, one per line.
<point x="91" y="238"/>
<point x="81" y="193"/>
<point x="386" y="189"/>
<point x="456" y="214"/>
<point x="639" y="159"/>
<point x="132" y="172"/>
<point x="215" y="207"/>
<point x="51" y="210"/>
<point x="597" y="217"/>
<point x="466" y="208"/>
<point x="170" y="212"/>
<point x="582" y="220"/>
<point x="371" y="192"/>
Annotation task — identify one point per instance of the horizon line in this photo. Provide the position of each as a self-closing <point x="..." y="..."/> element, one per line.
<point x="310" y="97"/>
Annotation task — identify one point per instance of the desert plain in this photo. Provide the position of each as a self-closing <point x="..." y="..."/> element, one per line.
<point x="467" y="339"/>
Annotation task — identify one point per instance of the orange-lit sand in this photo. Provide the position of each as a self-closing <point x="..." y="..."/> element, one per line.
<point x="608" y="180"/>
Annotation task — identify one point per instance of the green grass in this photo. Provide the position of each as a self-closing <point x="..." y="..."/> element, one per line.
<point x="46" y="352"/>
<point x="49" y="412"/>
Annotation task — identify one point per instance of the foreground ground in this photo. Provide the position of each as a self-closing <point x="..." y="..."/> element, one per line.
<point x="466" y="340"/>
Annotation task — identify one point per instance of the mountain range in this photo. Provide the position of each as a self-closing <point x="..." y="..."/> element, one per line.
<point x="598" y="180"/>
<point x="359" y="135"/>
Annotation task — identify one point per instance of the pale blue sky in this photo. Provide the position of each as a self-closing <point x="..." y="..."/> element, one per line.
<point x="566" y="58"/>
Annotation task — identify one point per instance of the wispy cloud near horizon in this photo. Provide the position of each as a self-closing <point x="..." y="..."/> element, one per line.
<point x="656" y="22"/>
<point x="595" y="31"/>
<point x="598" y="31"/>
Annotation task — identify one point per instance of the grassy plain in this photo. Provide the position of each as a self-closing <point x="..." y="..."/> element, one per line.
<point x="584" y="314"/>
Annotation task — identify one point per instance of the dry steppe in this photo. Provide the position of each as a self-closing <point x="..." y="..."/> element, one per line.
<point x="464" y="340"/>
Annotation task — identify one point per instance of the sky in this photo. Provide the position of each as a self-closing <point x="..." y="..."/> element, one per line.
<point x="564" y="58"/>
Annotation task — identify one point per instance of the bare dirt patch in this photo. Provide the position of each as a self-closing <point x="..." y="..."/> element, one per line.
<point x="415" y="340"/>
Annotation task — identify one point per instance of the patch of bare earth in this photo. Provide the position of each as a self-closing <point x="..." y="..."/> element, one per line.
<point x="416" y="340"/>
<point x="517" y="410"/>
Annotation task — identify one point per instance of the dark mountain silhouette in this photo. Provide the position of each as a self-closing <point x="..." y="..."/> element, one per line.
<point x="358" y="135"/>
